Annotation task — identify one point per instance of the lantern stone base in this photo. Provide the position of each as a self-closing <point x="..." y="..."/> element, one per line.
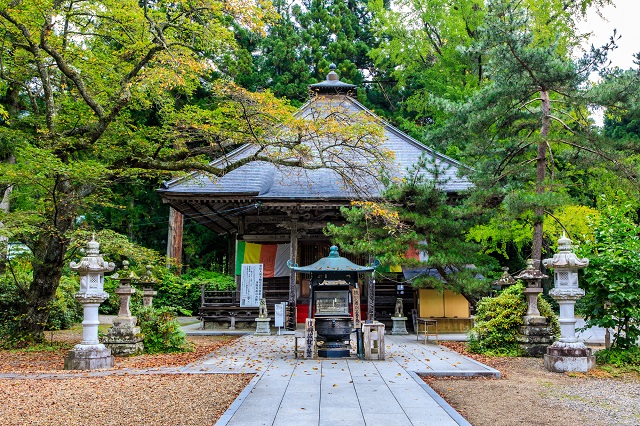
<point x="534" y="336"/>
<point x="263" y="327"/>
<point x="124" y="340"/>
<point x="88" y="357"/>
<point x="562" y="357"/>
<point x="399" y="326"/>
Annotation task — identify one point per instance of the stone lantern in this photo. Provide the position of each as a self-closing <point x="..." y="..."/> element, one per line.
<point x="148" y="283"/>
<point x="124" y="337"/>
<point x="90" y="354"/>
<point x="534" y="334"/>
<point x="567" y="354"/>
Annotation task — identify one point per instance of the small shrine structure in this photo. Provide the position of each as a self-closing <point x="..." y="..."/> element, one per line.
<point x="330" y="300"/>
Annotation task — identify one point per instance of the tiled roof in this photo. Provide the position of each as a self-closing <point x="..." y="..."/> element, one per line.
<point x="261" y="180"/>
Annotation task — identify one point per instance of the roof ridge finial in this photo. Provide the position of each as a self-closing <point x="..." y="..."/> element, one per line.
<point x="333" y="76"/>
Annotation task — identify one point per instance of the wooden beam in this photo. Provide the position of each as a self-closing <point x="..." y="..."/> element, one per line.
<point x="231" y="254"/>
<point x="266" y="219"/>
<point x="201" y="217"/>
<point x="232" y="226"/>
<point x="266" y="238"/>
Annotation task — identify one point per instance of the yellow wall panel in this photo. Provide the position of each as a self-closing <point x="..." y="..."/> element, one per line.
<point x="434" y="304"/>
<point x="431" y="303"/>
<point x="455" y="305"/>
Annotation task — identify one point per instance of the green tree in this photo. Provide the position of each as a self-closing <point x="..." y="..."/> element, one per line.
<point x="421" y="50"/>
<point x="527" y="128"/>
<point x="417" y="212"/>
<point x="308" y="36"/>
<point x="97" y="92"/>
<point x="335" y="31"/>
<point x="280" y="66"/>
<point x="612" y="280"/>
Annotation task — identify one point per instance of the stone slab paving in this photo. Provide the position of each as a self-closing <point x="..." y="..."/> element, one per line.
<point x="289" y="391"/>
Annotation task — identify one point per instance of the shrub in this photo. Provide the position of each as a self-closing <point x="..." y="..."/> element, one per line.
<point x="619" y="357"/>
<point x="497" y="320"/>
<point x="161" y="330"/>
<point x="183" y="292"/>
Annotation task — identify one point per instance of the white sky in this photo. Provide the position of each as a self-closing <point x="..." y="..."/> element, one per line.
<point x="623" y="16"/>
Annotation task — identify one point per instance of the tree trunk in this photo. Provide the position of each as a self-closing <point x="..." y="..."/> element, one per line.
<point x="48" y="262"/>
<point x="541" y="165"/>
<point x="5" y="207"/>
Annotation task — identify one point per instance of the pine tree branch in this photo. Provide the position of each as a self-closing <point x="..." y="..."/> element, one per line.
<point x="569" y="129"/>
<point x="559" y="222"/>
<point x="630" y="175"/>
<point x="524" y="163"/>
<point x="505" y="161"/>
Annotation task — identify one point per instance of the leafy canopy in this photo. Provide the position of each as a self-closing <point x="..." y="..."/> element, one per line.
<point x="612" y="280"/>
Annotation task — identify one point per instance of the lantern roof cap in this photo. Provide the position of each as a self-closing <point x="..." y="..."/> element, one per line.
<point x="565" y="258"/>
<point x="148" y="277"/>
<point x="505" y="279"/>
<point x="93" y="247"/>
<point x="125" y="273"/>
<point x="333" y="263"/>
<point x="530" y="273"/>
<point x="93" y="261"/>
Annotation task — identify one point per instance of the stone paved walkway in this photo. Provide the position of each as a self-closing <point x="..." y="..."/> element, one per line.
<point x="289" y="391"/>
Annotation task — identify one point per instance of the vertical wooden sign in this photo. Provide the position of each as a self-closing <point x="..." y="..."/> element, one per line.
<point x="309" y="337"/>
<point x="355" y="300"/>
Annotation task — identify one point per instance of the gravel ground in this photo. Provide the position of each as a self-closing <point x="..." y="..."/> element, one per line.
<point x="115" y="400"/>
<point x="124" y="399"/>
<point x="530" y="395"/>
<point x="526" y="395"/>
<point x="607" y="402"/>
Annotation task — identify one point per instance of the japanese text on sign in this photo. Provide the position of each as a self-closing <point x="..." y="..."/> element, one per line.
<point x="251" y="285"/>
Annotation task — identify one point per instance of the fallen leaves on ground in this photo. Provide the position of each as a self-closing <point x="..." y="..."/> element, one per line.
<point x="25" y="361"/>
<point x="184" y="399"/>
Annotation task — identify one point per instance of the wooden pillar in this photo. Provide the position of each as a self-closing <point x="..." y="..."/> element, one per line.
<point x="293" y="254"/>
<point x="174" y="239"/>
<point x="231" y="254"/>
<point x="371" y="297"/>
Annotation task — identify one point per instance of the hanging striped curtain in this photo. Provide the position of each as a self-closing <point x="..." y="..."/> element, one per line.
<point x="412" y="253"/>
<point x="272" y="256"/>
